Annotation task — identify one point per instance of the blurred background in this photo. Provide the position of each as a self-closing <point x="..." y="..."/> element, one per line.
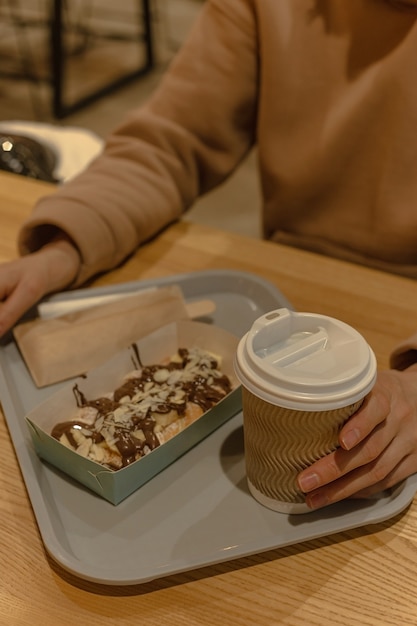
<point x="101" y="42"/>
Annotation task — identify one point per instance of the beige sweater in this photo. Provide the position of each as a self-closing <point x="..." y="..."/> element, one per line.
<point x="327" y="90"/>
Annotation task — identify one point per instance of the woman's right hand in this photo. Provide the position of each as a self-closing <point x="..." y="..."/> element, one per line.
<point x="24" y="281"/>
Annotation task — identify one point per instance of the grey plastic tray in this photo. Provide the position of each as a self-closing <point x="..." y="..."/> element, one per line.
<point x="196" y="512"/>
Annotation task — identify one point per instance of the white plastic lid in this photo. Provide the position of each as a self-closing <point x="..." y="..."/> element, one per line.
<point x="305" y="361"/>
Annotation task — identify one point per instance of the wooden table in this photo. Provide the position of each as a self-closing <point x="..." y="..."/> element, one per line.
<point x="364" y="576"/>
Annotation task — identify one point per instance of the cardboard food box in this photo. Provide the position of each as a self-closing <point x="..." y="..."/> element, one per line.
<point x="155" y="348"/>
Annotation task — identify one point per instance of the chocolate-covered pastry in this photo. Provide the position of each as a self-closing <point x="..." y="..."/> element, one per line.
<point x="152" y="405"/>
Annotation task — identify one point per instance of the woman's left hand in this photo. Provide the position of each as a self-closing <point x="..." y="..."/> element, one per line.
<point x="378" y="445"/>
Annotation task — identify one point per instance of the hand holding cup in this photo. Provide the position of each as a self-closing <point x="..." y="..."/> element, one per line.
<point x="303" y="375"/>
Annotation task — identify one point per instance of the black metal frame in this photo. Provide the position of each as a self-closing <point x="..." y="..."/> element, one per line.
<point x="61" y="108"/>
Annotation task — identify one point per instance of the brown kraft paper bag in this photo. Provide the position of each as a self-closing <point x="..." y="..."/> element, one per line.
<point x="67" y="346"/>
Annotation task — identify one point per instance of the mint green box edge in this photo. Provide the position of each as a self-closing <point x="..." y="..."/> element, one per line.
<point x="116" y="486"/>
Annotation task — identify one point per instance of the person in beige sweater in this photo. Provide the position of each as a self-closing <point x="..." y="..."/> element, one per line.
<point x="327" y="91"/>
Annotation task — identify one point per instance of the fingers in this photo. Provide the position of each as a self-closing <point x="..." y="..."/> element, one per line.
<point x="385" y="451"/>
<point x="366" y="480"/>
<point x="403" y="470"/>
<point x="375" y="408"/>
<point x="21" y="286"/>
<point x="345" y="472"/>
<point x="342" y="461"/>
<point x="24" y="281"/>
<point x="12" y="309"/>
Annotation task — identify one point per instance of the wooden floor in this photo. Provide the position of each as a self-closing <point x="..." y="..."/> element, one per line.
<point x="234" y="206"/>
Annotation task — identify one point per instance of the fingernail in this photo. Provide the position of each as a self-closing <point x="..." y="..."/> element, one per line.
<point x="307" y="482"/>
<point x="317" y="500"/>
<point x="350" y="439"/>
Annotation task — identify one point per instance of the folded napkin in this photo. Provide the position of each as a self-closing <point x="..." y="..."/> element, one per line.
<point x="72" y="344"/>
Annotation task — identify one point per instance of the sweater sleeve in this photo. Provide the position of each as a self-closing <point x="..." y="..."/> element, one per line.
<point x="192" y="133"/>
<point x="405" y="354"/>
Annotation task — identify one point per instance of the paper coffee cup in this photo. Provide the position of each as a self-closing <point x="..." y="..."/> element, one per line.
<point x="303" y="375"/>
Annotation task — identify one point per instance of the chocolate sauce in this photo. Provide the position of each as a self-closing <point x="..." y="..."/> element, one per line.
<point x="129" y="417"/>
